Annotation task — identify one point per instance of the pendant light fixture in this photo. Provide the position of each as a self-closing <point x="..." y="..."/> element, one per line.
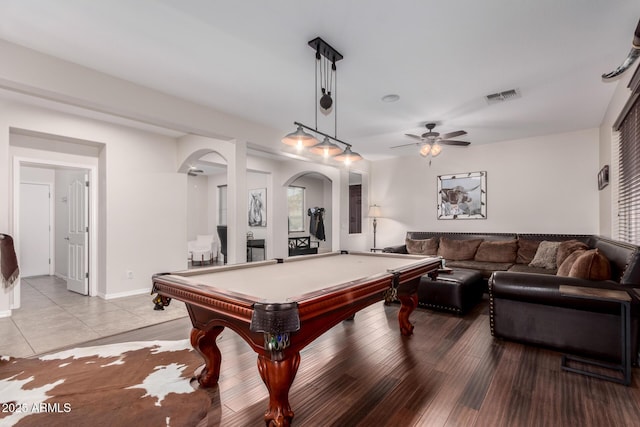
<point x="326" y="148"/>
<point x="300" y="139"/>
<point x="326" y="58"/>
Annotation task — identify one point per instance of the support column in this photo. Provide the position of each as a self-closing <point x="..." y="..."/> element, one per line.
<point x="237" y="205"/>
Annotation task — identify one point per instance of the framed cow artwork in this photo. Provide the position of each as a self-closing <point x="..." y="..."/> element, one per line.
<point x="462" y="196"/>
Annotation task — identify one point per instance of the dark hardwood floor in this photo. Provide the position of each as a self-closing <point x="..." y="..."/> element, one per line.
<point x="451" y="372"/>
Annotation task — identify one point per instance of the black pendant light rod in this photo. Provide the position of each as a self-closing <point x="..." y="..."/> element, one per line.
<point x="322" y="133"/>
<point x="325" y="50"/>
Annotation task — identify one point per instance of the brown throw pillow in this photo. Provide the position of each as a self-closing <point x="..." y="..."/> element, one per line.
<point x="545" y="255"/>
<point x="422" y="247"/>
<point x="566" y="265"/>
<point x="566" y="248"/>
<point x="526" y="250"/>
<point x="591" y="265"/>
<point x="458" y="250"/>
<point x="497" y="251"/>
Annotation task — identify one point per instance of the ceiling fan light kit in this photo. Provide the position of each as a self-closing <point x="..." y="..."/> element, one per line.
<point x="326" y="58"/>
<point x="431" y="142"/>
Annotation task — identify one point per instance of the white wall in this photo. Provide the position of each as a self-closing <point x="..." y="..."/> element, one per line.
<point x="198" y="194"/>
<point x="142" y="197"/>
<point x="537" y="185"/>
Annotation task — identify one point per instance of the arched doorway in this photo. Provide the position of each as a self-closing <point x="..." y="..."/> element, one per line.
<point x="310" y="209"/>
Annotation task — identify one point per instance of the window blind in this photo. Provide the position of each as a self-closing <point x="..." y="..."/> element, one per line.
<point x="629" y="172"/>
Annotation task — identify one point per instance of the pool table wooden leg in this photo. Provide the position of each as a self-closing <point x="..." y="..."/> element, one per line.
<point x="409" y="303"/>
<point x="204" y="342"/>
<point x="278" y="377"/>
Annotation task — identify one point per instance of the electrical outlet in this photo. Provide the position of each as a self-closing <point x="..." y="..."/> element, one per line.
<point x="129" y="274"/>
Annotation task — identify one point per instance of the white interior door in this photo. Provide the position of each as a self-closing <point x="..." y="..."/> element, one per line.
<point x="78" y="235"/>
<point x="35" y="229"/>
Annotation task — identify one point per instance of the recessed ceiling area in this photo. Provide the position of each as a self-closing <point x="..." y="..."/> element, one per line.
<point x="251" y="59"/>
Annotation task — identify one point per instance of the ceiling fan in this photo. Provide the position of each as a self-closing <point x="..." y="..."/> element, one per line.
<point x="431" y="142"/>
<point x="193" y="171"/>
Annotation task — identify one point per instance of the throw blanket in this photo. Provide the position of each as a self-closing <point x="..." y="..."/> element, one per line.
<point x="8" y="261"/>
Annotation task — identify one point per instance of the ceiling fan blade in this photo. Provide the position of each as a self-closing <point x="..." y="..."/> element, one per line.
<point x="452" y="142"/>
<point x="405" y="145"/>
<point x="453" y="134"/>
<point x="413" y="136"/>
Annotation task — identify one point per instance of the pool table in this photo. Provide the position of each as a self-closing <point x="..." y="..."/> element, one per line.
<point x="280" y="306"/>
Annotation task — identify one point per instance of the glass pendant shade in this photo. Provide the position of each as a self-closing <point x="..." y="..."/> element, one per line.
<point x="299" y="139"/>
<point x="348" y="156"/>
<point x="326" y="148"/>
<point x="436" y="149"/>
<point x="425" y="150"/>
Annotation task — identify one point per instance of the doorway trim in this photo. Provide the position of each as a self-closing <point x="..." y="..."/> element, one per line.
<point x="92" y="170"/>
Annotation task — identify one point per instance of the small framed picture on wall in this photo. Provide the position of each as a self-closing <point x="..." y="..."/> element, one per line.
<point x="603" y="177"/>
<point x="258" y="207"/>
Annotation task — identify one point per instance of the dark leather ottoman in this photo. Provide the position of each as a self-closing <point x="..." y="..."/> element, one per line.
<point x="457" y="291"/>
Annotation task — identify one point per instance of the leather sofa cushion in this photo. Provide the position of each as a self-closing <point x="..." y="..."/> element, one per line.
<point x="566" y="265"/>
<point x="591" y="265"/>
<point x="525" y="268"/>
<point x="422" y="247"/>
<point x="457" y="250"/>
<point x="546" y="255"/>
<point x="566" y="248"/>
<point x="526" y="250"/>
<point x="497" y="251"/>
<point x="485" y="268"/>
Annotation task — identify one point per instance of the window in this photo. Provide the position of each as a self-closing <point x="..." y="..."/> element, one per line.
<point x="295" y="201"/>
<point x="628" y="125"/>
<point x="355" y="203"/>
<point x="222" y="205"/>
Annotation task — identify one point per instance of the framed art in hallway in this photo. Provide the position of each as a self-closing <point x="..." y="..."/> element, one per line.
<point x="258" y="207"/>
<point x="462" y="196"/>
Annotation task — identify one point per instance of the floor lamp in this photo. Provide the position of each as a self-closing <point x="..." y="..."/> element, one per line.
<point x="374" y="212"/>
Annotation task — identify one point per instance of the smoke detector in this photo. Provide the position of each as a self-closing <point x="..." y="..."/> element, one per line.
<point x="498" y="97"/>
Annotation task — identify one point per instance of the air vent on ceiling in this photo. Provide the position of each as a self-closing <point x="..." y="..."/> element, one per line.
<point x="507" y="95"/>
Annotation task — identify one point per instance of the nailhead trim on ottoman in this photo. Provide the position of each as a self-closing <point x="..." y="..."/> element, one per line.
<point x="456" y="292"/>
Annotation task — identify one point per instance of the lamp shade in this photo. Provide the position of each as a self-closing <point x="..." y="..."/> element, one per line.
<point x="326" y="148"/>
<point x="436" y="149"/>
<point x="425" y="149"/>
<point x="348" y="156"/>
<point x="374" y="211"/>
<point x="299" y="139"/>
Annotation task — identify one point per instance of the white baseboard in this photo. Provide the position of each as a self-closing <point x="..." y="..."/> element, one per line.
<point x="5" y="313"/>
<point x="125" y="294"/>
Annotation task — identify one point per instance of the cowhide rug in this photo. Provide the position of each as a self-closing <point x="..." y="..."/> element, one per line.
<point x="135" y="383"/>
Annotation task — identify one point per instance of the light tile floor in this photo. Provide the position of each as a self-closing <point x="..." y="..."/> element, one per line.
<point x="51" y="317"/>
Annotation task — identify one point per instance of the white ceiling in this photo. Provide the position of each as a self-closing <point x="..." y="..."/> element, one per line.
<point x="250" y="58"/>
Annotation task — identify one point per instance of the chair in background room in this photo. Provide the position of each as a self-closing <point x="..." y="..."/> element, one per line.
<point x="222" y="234"/>
<point x="203" y="249"/>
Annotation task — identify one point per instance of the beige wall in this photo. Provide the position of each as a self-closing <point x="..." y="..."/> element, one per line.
<point x="536" y="185"/>
<point x="139" y="181"/>
<point x="607" y="197"/>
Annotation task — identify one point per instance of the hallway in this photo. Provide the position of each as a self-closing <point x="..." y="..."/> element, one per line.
<point x="52" y="317"/>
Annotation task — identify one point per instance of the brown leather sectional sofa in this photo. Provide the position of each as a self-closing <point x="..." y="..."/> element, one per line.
<point x="526" y="304"/>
